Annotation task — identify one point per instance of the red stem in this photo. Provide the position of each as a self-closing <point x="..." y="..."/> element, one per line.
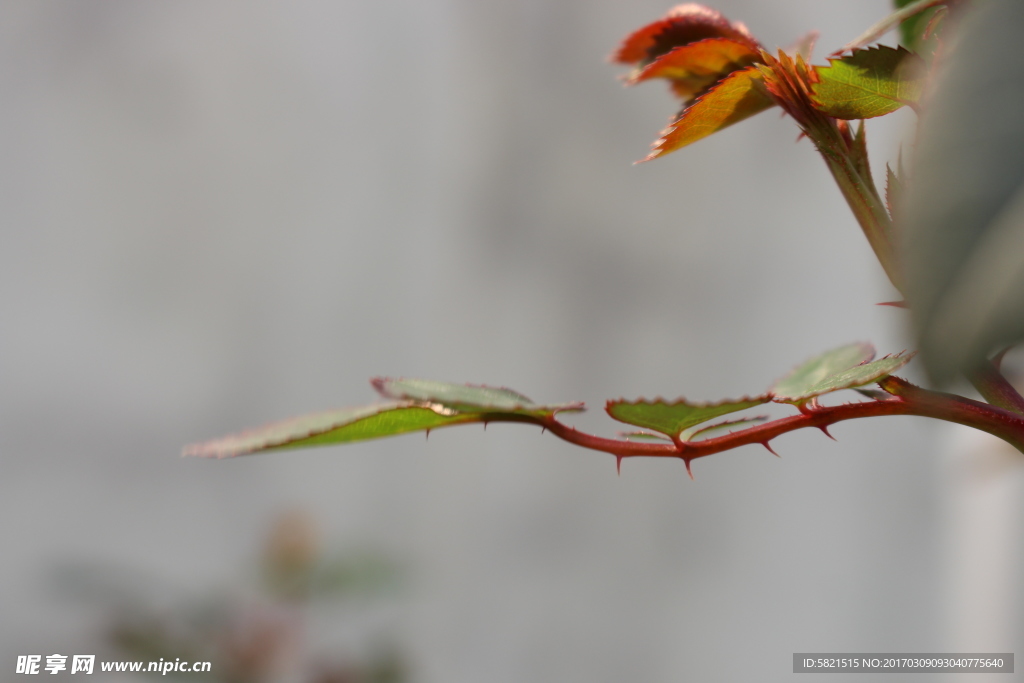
<point x="906" y="399"/>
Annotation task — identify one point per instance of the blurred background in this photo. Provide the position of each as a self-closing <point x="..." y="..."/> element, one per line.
<point x="217" y="214"/>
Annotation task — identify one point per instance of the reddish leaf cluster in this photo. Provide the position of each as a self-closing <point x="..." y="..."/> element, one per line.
<point x="724" y="75"/>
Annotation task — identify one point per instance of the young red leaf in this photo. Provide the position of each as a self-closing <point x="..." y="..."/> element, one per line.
<point x="739" y="96"/>
<point x="693" y="68"/>
<point x="869" y="83"/>
<point x="684" y="24"/>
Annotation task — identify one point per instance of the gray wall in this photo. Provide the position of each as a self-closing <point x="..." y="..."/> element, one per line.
<point x="221" y="213"/>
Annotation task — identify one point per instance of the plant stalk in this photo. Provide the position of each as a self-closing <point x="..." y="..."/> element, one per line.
<point x="906" y="399"/>
<point x="869" y="210"/>
<point x="995" y="388"/>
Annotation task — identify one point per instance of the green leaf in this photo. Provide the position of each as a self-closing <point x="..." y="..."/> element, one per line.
<point x="332" y="427"/>
<point x="794" y="387"/>
<point x="738" y="96"/>
<point x="869" y="83"/>
<point x="673" y="418"/>
<point x="859" y="376"/>
<point x="693" y="432"/>
<point x="467" y="398"/>
<point x="963" y="214"/>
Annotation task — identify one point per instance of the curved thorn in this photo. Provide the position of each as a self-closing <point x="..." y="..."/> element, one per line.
<point x="824" y="429"/>
<point x="618" y="465"/>
<point x="770" y="449"/>
<point x="689" y="471"/>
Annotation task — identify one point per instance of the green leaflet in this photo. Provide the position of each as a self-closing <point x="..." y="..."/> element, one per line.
<point x="420" y="405"/>
<point x="857" y="376"/>
<point x="467" y="398"/>
<point x="794" y="387"/>
<point x="672" y="419"/>
<point x="693" y="432"/>
<point x="860" y="375"/>
<point x="331" y="427"/>
<point x="869" y="83"/>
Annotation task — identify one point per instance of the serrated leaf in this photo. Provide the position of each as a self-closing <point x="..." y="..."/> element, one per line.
<point x="869" y="83"/>
<point x="684" y="24"/>
<point x="738" y="96"/>
<point x="673" y="418"/>
<point x="859" y="376"/>
<point x="693" y="432"/>
<point x="794" y="387"/>
<point x="331" y="427"/>
<point x="694" y="67"/>
<point x="963" y="214"/>
<point x="467" y="397"/>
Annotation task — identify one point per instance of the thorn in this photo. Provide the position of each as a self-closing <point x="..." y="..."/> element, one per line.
<point x="770" y="449"/>
<point x="618" y="465"/>
<point x="543" y="428"/>
<point x="485" y="425"/>
<point x="894" y="304"/>
<point x="428" y="434"/>
<point x="688" y="470"/>
<point x="825" y="430"/>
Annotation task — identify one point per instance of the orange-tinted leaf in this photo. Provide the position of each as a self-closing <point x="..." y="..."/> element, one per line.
<point x="693" y="68"/>
<point x="738" y="96"/>
<point x="684" y="24"/>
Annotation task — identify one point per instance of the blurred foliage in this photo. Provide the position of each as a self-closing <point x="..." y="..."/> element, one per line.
<point x="258" y="637"/>
<point x="963" y="212"/>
